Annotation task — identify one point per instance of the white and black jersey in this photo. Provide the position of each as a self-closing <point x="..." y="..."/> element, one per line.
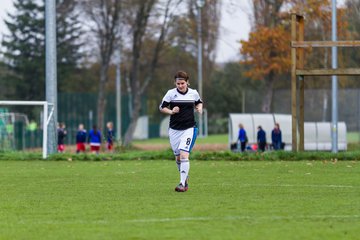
<point x="187" y="101"/>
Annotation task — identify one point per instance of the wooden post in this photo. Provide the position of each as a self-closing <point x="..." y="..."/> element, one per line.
<point x="293" y="84"/>
<point x="301" y="85"/>
<point x="297" y="69"/>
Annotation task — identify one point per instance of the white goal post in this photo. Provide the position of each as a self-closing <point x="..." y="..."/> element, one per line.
<point x="46" y="120"/>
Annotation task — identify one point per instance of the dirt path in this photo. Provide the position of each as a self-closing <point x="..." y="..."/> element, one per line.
<point x="198" y="147"/>
<point x="155" y="146"/>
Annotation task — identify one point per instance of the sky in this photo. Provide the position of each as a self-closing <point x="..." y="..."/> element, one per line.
<point x="234" y="26"/>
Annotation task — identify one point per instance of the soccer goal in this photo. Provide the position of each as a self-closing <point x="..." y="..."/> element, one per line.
<point x="8" y="122"/>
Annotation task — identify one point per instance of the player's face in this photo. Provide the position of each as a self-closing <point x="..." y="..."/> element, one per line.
<point x="181" y="85"/>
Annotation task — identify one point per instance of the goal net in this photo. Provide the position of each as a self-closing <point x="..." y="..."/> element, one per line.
<point x="27" y="125"/>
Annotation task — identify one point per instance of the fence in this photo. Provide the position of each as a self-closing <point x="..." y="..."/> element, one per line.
<point x="73" y="109"/>
<point x="76" y="108"/>
<point x="317" y="105"/>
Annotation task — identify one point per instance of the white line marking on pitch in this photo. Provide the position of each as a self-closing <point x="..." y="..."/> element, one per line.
<point x="231" y="218"/>
<point x="286" y="185"/>
<point x="306" y="185"/>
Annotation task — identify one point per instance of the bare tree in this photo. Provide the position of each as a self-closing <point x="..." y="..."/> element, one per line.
<point x="266" y="12"/>
<point x="104" y="17"/>
<point x="211" y="14"/>
<point x="143" y="11"/>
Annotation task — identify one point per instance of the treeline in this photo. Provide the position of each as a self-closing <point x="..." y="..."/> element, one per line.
<point x="158" y="37"/>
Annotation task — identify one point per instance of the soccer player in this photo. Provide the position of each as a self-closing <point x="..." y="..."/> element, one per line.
<point x="110" y="136"/>
<point x="61" y="136"/>
<point x="180" y="103"/>
<point x="80" y="139"/>
<point x="95" y="140"/>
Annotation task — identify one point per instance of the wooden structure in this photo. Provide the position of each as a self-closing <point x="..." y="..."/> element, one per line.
<point x="298" y="73"/>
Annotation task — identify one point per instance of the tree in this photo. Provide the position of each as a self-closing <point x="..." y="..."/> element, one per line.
<point x="24" y="46"/>
<point x="105" y="20"/>
<point x="184" y="35"/>
<point x="266" y="12"/>
<point x="353" y="18"/>
<point x="267" y="52"/>
<point x="227" y="88"/>
<point x="179" y="50"/>
<point x="210" y="21"/>
<point x="25" y="51"/>
<point x="353" y="10"/>
<point x="69" y="43"/>
<point x="172" y="59"/>
<point x="140" y="30"/>
<point x="267" y="49"/>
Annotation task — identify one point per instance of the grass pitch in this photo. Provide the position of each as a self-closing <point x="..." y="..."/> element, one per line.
<point x="136" y="200"/>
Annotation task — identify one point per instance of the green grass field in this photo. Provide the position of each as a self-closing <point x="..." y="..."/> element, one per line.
<point x="136" y="200"/>
<point x="353" y="137"/>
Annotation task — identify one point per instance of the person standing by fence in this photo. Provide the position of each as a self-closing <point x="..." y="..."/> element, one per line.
<point x="95" y="140"/>
<point x="110" y="136"/>
<point x="61" y="137"/>
<point x="261" y="139"/>
<point x="276" y="137"/>
<point x="80" y="139"/>
<point x="242" y="138"/>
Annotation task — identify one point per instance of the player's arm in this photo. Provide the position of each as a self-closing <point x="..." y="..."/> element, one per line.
<point x="198" y="103"/>
<point x="199" y="108"/>
<point x="165" y="107"/>
<point x="167" y="110"/>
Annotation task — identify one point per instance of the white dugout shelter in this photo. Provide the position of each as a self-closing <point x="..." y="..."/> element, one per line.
<point x="317" y="134"/>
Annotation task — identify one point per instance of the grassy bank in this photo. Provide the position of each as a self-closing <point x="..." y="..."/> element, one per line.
<point x="353" y="153"/>
<point x="200" y="155"/>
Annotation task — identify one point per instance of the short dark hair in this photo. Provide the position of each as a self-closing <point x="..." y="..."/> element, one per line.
<point x="181" y="75"/>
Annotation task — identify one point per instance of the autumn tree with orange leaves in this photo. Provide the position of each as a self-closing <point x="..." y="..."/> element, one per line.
<point x="267" y="51"/>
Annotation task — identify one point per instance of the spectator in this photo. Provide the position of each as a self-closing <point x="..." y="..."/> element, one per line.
<point x="242" y="138"/>
<point x="95" y="140"/>
<point x="31" y="128"/>
<point x="61" y="137"/>
<point x="276" y="137"/>
<point x="110" y="136"/>
<point x="261" y="139"/>
<point x="10" y="129"/>
<point x="80" y="139"/>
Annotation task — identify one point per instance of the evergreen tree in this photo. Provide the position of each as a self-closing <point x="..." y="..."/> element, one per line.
<point x="24" y="46"/>
<point x="25" y="51"/>
<point x="69" y="43"/>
